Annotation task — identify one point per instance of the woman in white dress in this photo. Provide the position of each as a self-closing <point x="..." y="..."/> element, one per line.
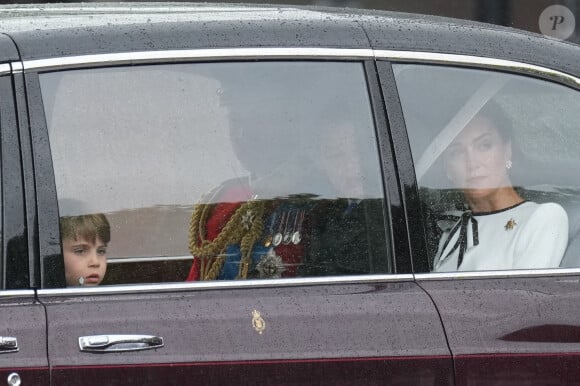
<point x="500" y="230"/>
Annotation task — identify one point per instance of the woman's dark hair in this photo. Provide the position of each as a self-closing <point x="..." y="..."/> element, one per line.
<point x="496" y="115"/>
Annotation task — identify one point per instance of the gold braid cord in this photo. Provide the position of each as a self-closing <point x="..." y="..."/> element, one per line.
<point x="244" y="228"/>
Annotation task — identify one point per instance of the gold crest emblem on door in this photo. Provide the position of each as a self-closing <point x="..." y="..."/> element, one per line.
<point x="258" y="322"/>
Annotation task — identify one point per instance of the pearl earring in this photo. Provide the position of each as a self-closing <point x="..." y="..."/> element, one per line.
<point x="508" y="164"/>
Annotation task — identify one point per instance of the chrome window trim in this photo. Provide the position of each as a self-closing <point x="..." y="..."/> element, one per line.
<point x="16" y="293"/>
<point x="478" y="61"/>
<point x="5" y="69"/>
<point x="175" y="56"/>
<point x="89" y="9"/>
<point x="172" y="56"/>
<point x="218" y="284"/>
<point x="553" y="272"/>
<point x="17" y="67"/>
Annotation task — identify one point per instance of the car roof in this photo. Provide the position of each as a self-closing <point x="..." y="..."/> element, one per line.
<point x="54" y="30"/>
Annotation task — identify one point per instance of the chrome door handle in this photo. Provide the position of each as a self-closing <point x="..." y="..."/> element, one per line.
<point x="8" y="344"/>
<point x="117" y="343"/>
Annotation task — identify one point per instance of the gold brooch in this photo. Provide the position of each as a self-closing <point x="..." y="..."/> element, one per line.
<point x="511" y="224"/>
<point x="258" y="323"/>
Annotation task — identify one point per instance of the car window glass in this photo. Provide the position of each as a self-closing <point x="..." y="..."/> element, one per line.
<point x="496" y="161"/>
<point x="259" y="170"/>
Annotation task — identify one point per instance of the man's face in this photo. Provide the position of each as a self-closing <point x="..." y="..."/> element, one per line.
<point x="85" y="262"/>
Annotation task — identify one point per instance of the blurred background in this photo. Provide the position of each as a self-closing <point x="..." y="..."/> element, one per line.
<point x="558" y="19"/>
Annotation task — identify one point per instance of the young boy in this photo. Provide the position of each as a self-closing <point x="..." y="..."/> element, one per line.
<point x="84" y="246"/>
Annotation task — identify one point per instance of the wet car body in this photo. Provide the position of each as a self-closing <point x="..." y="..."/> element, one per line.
<point x="408" y="326"/>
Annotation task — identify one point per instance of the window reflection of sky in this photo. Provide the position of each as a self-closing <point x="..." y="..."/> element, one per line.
<point x="544" y="117"/>
<point x="169" y="127"/>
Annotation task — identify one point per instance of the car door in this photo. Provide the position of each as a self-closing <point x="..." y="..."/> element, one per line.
<point x="152" y="147"/>
<point x="504" y="325"/>
<point x="22" y="319"/>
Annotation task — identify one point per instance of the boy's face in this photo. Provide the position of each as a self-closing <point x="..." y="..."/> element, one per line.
<point x="85" y="262"/>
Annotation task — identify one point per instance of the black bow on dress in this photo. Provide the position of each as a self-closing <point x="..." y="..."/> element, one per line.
<point x="461" y="242"/>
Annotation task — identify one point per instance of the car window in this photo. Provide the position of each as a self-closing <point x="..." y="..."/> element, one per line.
<point x="496" y="160"/>
<point x="217" y="171"/>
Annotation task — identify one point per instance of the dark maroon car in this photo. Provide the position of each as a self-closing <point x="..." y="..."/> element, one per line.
<point x="278" y="189"/>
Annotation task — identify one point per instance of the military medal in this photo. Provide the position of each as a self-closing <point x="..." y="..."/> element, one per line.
<point x="287" y="234"/>
<point x="296" y="236"/>
<point x="270" y="236"/>
<point x="271" y="266"/>
<point x="277" y="238"/>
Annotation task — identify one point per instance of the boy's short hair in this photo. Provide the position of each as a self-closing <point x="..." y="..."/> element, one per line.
<point x="88" y="227"/>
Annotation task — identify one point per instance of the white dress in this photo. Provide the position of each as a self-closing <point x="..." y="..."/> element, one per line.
<point x="525" y="236"/>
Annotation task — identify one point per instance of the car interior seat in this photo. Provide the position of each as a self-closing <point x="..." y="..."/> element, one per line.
<point x="571" y="257"/>
<point x="571" y="204"/>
